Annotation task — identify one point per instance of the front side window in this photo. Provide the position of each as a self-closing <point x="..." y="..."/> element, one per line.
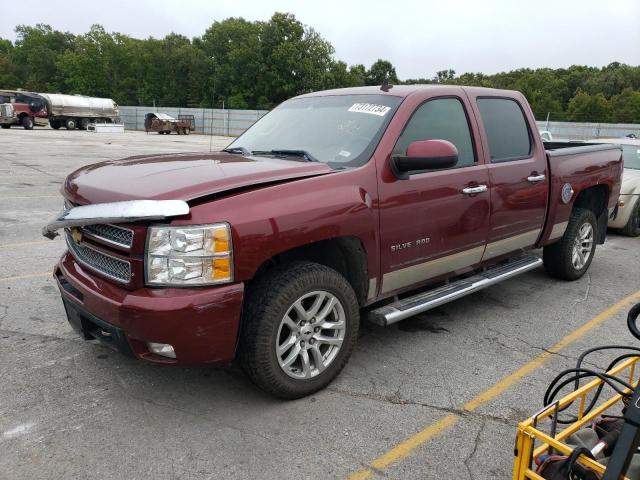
<point x="506" y="129"/>
<point x="440" y="119"/>
<point x="340" y="130"/>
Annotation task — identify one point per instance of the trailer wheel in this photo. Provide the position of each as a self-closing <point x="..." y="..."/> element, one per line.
<point x="300" y="326"/>
<point x="84" y="123"/>
<point x="70" y="123"/>
<point x="5" y="125"/>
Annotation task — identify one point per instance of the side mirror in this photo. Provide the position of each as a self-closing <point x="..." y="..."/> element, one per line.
<point x="424" y="155"/>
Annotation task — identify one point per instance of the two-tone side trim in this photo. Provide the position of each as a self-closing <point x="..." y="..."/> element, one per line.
<point x="511" y="244"/>
<point x="558" y="230"/>
<point x="416" y="273"/>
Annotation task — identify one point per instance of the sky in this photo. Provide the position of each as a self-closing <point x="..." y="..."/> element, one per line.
<point x="418" y="37"/>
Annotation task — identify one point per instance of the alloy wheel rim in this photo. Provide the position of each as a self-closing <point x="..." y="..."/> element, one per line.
<point x="582" y="246"/>
<point x="310" y="335"/>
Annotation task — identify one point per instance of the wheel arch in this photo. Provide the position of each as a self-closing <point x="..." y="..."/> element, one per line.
<point x="596" y="199"/>
<point x="346" y="255"/>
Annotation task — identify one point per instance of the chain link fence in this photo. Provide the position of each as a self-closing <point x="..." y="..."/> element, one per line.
<point x="232" y="123"/>
<point x="587" y="131"/>
<point x="228" y="123"/>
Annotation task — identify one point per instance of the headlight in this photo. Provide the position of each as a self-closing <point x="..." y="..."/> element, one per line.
<point x="189" y="255"/>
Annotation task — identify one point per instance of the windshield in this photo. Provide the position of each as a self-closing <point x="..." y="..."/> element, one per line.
<point x="340" y="130"/>
<point x="631" y="156"/>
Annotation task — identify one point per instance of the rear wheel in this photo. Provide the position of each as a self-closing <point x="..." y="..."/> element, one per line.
<point x="632" y="228"/>
<point x="55" y="124"/>
<point x="571" y="256"/>
<point x="300" y="326"/>
<point x="187" y="131"/>
<point x="27" y="122"/>
<point x="5" y="125"/>
<point x="70" y="123"/>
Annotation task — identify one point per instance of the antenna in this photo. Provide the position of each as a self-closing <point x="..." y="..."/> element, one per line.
<point x="386" y="86"/>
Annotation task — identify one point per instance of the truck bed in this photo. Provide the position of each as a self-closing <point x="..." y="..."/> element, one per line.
<point x="556" y="149"/>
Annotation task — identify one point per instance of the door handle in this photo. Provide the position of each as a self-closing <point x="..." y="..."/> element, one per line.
<point x="536" y="178"/>
<point x="474" y="190"/>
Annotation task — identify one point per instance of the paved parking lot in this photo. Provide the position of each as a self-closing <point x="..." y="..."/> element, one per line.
<point x="437" y="396"/>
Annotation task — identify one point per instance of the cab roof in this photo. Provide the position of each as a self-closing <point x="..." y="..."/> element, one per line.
<point x="407" y="90"/>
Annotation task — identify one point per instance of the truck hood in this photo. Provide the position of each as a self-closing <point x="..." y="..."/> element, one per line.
<point x="186" y="176"/>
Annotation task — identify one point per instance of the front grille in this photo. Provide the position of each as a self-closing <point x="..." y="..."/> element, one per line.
<point x="114" y="268"/>
<point x="122" y="237"/>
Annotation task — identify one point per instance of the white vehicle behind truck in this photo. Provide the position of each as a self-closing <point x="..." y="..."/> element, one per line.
<point x="78" y="111"/>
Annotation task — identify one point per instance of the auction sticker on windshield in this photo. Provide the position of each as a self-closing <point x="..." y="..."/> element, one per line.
<point x="372" y="108"/>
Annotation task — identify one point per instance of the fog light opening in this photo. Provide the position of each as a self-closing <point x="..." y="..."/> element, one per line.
<point x="163" y="349"/>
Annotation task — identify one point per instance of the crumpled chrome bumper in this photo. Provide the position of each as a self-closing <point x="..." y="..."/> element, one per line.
<point x="115" y="212"/>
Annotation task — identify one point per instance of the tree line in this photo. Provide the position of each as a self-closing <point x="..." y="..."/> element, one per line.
<point x="259" y="64"/>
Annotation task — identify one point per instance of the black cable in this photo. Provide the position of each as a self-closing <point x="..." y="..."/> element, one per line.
<point x="610" y="380"/>
<point x="580" y="373"/>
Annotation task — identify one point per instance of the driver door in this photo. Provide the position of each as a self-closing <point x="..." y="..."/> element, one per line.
<point x="431" y="223"/>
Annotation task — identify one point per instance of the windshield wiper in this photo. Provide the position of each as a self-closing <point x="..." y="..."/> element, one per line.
<point x="287" y="153"/>
<point x="240" y="150"/>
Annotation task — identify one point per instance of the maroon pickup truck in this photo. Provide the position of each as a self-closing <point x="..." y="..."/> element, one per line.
<point x="336" y="205"/>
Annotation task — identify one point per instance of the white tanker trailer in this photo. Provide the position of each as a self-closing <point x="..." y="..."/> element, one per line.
<point x="78" y="111"/>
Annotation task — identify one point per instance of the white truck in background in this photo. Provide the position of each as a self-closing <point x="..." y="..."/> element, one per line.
<point x="78" y="111"/>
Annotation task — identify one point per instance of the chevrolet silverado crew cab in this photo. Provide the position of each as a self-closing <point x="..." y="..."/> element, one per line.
<point x="378" y="202"/>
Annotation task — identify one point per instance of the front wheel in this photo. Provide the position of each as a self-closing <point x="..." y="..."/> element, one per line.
<point x="571" y="256"/>
<point x="632" y="228"/>
<point x="301" y="323"/>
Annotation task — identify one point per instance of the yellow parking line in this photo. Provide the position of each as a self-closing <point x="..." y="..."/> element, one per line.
<point x="24" y="277"/>
<point x="407" y="446"/>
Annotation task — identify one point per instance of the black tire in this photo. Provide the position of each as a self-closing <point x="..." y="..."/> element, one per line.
<point x="55" y="124"/>
<point x="27" y="123"/>
<point x="267" y="303"/>
<point x="70" y="123"/>
<point x="5" y="125"/>
<point x="84" y="123"/>
<point x="558" y="257"/>
<point x="632" y="228"/>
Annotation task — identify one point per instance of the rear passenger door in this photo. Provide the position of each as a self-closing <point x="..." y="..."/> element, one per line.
<point x="518" y="175"/>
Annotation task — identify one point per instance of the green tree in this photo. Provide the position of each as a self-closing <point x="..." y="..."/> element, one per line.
<point x="625" y="107"/>
<point x="8" y="69"/>
<point x="584" y="107"/>
<point x="379" y="70"/>
<point x="37" y="51"/>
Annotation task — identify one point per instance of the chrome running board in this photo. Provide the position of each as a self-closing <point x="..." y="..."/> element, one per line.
<point x="408" y="307"/>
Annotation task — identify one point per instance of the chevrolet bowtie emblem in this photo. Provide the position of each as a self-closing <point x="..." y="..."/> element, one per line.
<point x="76" y="235"/>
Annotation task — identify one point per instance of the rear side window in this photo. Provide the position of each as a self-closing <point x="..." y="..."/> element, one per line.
<point x="440" y="119"/>
<point x="506" y="128"/>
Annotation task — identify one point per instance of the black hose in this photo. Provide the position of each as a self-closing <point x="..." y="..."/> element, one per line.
<point x="557" y="384"/>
